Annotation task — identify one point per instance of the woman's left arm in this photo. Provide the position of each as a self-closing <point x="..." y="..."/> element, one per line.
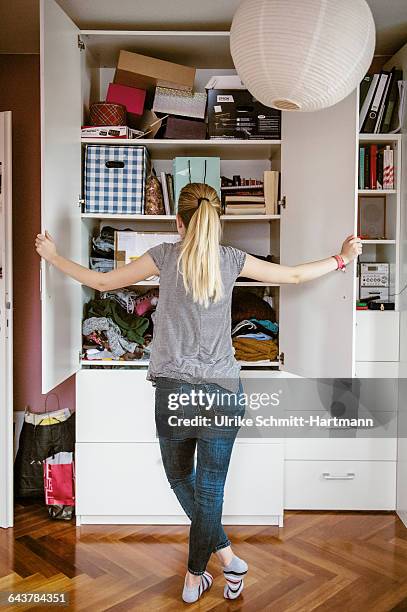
<point x="132" y="273"/>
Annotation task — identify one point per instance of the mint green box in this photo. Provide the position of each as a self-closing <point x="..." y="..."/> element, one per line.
<point x="195" y="170"/>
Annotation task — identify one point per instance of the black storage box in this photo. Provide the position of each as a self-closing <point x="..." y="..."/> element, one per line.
<point x="185" y="129"/>
<point x="234" y="113"/>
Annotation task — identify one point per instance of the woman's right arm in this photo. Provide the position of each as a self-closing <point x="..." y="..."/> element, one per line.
<point x="132" y="273"/>
<point x="266" y="272"/>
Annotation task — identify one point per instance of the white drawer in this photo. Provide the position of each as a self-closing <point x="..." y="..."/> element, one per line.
<point x="377" y="335"/>
<point x="114" y="406"/>
<point x="340" y="485"/>
<point x="118" y="479"/>
<point x="377" y="369"/>
<point x="334" y="449"/>
<point x="122" y="479"/>
<point x="254" y="484"/>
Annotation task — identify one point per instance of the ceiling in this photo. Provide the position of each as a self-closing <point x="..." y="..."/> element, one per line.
<point x="19" y="26"/>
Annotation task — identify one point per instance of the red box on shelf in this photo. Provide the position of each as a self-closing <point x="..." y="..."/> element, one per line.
<point x="131" y="97"/>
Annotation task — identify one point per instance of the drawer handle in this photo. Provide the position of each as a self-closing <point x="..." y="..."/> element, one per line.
<point x="348" y="476"/>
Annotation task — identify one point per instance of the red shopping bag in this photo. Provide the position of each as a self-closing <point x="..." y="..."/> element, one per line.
<point x="59" y="480"/>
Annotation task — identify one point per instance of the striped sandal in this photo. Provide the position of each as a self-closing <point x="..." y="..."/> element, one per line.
<point x="192" y="594"/>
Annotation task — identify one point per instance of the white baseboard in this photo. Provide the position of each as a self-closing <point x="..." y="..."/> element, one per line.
<point x="94" y="519"/>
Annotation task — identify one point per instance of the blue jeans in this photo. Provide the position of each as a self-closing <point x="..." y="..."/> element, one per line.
<point x="199" y="490"/>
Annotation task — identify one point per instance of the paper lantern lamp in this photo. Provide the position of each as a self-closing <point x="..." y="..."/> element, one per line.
<point x="302" y="55"/>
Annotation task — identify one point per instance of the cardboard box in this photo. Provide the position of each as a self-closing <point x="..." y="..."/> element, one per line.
<point x="142" y="71"/>
<point x="132" y="98"/>
<point x="109" y="131"/>
<point x="234" y="113"/>
<point x="176" y="102"/>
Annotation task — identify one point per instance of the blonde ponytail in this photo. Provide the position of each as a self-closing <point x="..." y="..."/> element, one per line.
<point x="199" y="259"/>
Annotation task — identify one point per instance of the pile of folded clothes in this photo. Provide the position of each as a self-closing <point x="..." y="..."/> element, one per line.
<point x="254" y="330"/>
<point x="119" y="325"/>
<point x="102" y="251"/>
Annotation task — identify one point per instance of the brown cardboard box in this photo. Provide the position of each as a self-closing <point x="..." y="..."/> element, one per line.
<point x="142" y="71"/>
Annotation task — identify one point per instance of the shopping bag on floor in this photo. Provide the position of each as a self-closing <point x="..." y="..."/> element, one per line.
<point x="59" y="484"/>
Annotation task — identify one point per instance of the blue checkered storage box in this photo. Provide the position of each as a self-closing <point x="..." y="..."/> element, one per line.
<point x="115" y="178"/>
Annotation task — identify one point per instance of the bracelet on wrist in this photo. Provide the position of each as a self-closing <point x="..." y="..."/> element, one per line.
<point x="340" y="263"/>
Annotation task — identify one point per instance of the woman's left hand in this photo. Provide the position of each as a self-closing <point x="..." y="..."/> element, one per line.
<point x="45" y="246"/>
<point x="351" y="248"/>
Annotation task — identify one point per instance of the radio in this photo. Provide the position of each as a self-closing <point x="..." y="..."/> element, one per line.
<point x="374" y="278"/>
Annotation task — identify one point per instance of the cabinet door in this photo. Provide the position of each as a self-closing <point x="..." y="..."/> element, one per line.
<point x="6" y="325"/>
<point x="60" y="190"/>
<point x="319" y="180"/>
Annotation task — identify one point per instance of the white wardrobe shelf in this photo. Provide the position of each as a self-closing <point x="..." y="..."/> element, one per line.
<point x="137" y="363"/>
<point x="378" y="241"/>
<point x="384" y="138"/>
<point x="376" y="191"/>
<point x="170" y="218"/>
<point x="225" y="149"/>
<point x="237" y="284"/>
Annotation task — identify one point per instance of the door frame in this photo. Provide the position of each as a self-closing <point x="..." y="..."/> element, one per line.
<point x="6" y="326"/>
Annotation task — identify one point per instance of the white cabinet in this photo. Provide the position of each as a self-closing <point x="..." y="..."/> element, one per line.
<point x="377" y="335"/>
<point x="126" y="483"/>
<point x="6" y="322"/>
<point x="254" y="486"/>
<point x="120" y="477"/>
<point x="123" y="482"/>
<point x="340" y="485"/>
<point x="61" y="111"/>
<point x="114" y="406"/>
<point x="318" y="160"/>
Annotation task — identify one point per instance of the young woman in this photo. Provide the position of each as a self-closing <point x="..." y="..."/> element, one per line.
<point x="192" y="356"/>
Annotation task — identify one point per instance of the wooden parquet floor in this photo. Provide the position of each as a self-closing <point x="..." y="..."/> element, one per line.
<point x="324" y="562"/>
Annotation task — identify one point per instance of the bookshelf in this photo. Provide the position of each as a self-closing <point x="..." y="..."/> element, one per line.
<point x="386" y="250"/>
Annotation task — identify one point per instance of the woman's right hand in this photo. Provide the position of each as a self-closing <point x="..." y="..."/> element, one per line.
<point x="351" y="248"/>
<point x="45" y="246"/>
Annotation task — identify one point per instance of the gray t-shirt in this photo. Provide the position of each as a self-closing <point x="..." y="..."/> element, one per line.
<point x="193" y="343"/>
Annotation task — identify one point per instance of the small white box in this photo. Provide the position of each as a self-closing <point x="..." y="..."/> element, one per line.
<point x="129" y="246"/>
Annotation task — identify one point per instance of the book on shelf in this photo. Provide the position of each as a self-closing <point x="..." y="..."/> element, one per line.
<point x="170" y="189"/>
<point x="164" y="188"/>
<point x="251" y="196"/>
<point x="372" y="167"/>
<point x="244" y="198"/>
<point x="388" y="168"/>
<point x="167" y="186"/>
<point x="245" y="210"/>
<point x="372" y="160"/>
<point x="271" y="187"/>
<point x="250" y="205"/>
<point x="361" y="181"/>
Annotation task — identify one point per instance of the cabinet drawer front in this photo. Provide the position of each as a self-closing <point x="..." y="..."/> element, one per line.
<point x="377" y="336"/>
<point x="114" y="406"/>
<point x="248" y="491"/>
<point x="122" y="479"/>
<point x="377" y="369"/>
<point x="334" y="449"/>
<point x="129" y="479"/>
<point x="340" y="485"/>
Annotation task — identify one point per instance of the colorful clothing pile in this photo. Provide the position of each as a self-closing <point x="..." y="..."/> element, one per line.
<point x="113" y="328"/>
<point x="102" y="253"/>
<point x="254" y="339"/>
